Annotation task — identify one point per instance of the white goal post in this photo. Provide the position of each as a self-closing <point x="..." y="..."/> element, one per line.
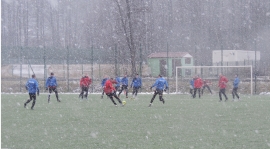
<point x="212" y="67"/>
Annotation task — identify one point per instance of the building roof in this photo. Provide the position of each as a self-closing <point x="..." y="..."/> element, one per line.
<point x="170" y="55"/>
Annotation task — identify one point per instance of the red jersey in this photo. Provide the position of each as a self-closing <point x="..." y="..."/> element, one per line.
<point x="85" y="81"/>
<point x="198" y="83"/>
<point x="222" y="82"/>
<point x="108" y="87"/>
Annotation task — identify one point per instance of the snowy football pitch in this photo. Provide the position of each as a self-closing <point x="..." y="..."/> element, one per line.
<point x="181" y="122"/>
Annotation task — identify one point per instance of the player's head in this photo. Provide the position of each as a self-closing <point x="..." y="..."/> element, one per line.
<point x="160" y="75"/>
<point x="33" y="76"/>
<point x="52" y="73"/>
<point x="220" y="75"/>
<point x="137" y="75"/>
<point x="125" y="75"/>
<point x="236" y="75"/>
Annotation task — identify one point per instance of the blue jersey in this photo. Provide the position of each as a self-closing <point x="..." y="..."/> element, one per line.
<point x="136" y="82"/>
<point x="159" y="84"/>
<point x="32" y="86"/>
<point x="103" y="81"/>
<point x="118" y="80"/>
<point x="236" y="82"/>
<point x="51" y="81"/>
<point x="191" y="82"/>
<point x="124" y="81"/>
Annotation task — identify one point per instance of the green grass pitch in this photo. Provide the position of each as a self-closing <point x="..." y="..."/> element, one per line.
<point x="182" y="122"/>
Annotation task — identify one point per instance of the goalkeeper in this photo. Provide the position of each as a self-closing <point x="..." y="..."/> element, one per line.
<point x="51" y="85"/>
<point x="136" y="84"/>
<point x="32" y="87"/>
<point x="159" y="84"/>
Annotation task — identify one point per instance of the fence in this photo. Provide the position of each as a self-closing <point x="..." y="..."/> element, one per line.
<point x="70" y="64"/>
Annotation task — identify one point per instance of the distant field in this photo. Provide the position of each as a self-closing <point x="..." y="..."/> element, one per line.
<point x="182" y="122"/>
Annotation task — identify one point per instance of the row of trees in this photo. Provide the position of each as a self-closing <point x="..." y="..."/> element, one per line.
<point x="194" y="26"/>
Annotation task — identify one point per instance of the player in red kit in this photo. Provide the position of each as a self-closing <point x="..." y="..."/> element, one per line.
<point x="197" y="86"/>
<point x="111" y="91"/>
<point x="222" y="85"/>
<point x="84" y="84"/>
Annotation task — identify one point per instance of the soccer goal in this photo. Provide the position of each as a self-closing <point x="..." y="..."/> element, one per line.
<point x="210" y="74"/>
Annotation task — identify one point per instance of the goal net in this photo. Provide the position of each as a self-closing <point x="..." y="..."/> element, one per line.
<point x="210" y="74"/>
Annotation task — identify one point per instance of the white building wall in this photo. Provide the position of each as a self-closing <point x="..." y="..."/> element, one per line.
<point x="234" y="56"/>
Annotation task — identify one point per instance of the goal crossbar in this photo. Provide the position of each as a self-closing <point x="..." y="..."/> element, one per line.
<point x="247" y="66"/>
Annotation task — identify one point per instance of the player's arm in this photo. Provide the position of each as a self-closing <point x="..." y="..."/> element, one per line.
<point x="36" y="83"/>
<point x="55" y="82"/>
<point x="155" y="84"/>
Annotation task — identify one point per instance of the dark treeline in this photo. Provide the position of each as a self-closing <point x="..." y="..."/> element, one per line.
<point x="194" y="26"/>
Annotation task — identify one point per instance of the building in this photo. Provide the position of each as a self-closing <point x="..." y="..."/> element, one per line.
<point x="234" y="57"/>
<point x="157" y="62"/>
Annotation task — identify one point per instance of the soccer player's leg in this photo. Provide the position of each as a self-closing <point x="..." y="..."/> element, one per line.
<point x="136" y="91"/>
<point x="209" y="89"/>
<point x="56" y="94"/>
<point x="223" y="92"/>
<point x="122" y="88"/>
<point x="194" y="93"/>
<point x="161" y="96"/>
<point x="126" y="90"/>
<point x="154" y="96"/>
<point x="49" y="95"/>
<point x="236" y="93"/>
<point x="219" y="93"/>
<point x="34" y="100"/>
<point x="28" y="100"/>
<point x="115" y="96"/>
<point x="81" y="94"/>
<point x="202" y="90"/>
<point x="199" y="91"/>
<point x="133" y="93"/>
<point x="86" y="92"/>
<point x="110" y="95"/>
<point x="233" y="91"/>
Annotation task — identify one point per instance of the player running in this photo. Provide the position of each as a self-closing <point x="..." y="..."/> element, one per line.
<point x="84" y="84"/>
<point x="124" y="82"/>
<point x="197" y="86"/>
<point x="111" y="92"/>
<point x="235" y="87"/>
<point x="159" y="84"/>
<point x="51" y="84"/>
<point x="32" y="87"/>
<point x="136" y="84"/>
<point x="222" y="85"/>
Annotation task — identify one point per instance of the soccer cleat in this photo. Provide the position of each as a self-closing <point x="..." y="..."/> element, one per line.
<point x="115" y="105"/>
<point x="126" y="96"/>
<point x="24" y="105"/>
<point x="226" y="99"/>
<point x="58" y="100"/>
<point x="150" y="105"/>
<point x="101" y="97"/>
<point x="48" y="100"/>
<point x="32" y="108"/>
<point x="163" y="101"/>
